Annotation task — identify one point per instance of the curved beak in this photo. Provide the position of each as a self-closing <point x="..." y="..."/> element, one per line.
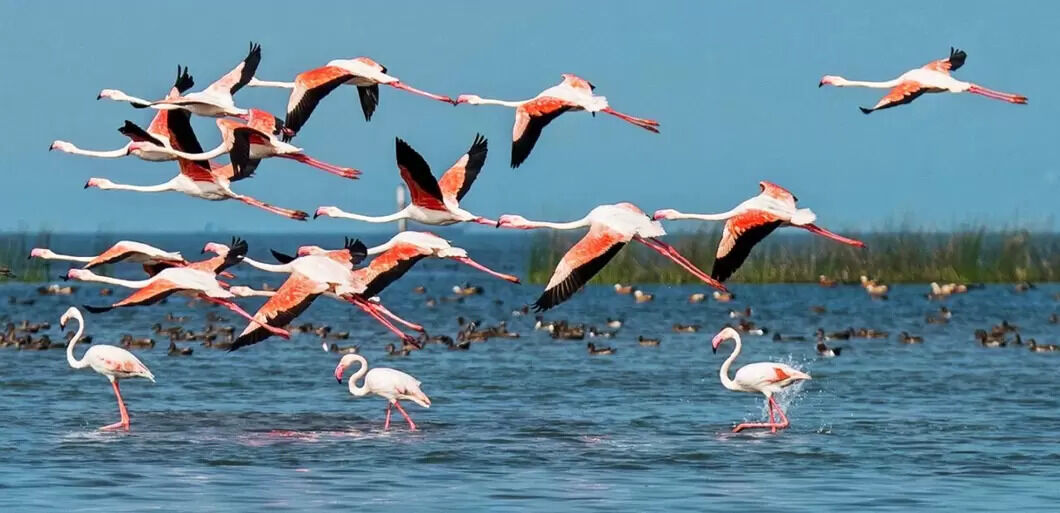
<point x="821" y="83"/>
<point x="338" y="372"/>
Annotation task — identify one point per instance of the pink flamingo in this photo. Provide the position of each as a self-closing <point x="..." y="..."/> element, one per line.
<point x="390" y="384"/>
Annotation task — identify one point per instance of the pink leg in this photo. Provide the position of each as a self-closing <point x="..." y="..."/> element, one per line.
<point x="412" y="425"/>
<point x="297" y="215"/>
<point x="769" y="404"/>
<point x="345" y="172"/>
<point x="482" y="220"/>
<point x="410" y="325"/>
<point x="668" y="251"/>
<point x="235" y="308"/>
<point x="386" y="425"/>
<point x="124" y="422"/>
<point x="369" y="308"/>
<point x="647" y="124"/>
<point x="784" y="418"/>
<point x="487" y="270"/>
<point x="998" y="95"/>
<point x="812" y="228"/>
<point x="413" y="90"/>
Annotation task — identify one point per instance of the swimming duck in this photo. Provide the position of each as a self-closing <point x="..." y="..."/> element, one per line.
<point x="214" y="317"/>
<point x="593" y="350"/>
<point x="461" y="346"/>
<point x="828" y="352"/>
<point x="521" y="312"/>
<point x="942" y="317"/>
<point x="818" y="309"/>
<point x="642" y="297"/>
<point x="1023" y="287"/>
<point x="595" y="333"/>
<point x="623" y="289"/>
<point x="735" y="314"/>
<point x="467" y="290"/>
<point x="722" y="297"/>
<point x="698" y="297"/>
<point x="750" y="328"/>
<point x="178" y="351"/>
<point x="1035" y="347"/>
<point x="990" y="339"/>
<point x="325" y="333"/>
<point x="106" y="291"/>
<point x="617" y="323"/>
<point x="777" y="337"/>
<point x="825" y="281"/>
<point x="392" y="350"/>
<point x="419" y="290"/>
<point x="128" y="342"/>
<point x="685" y="328"/>
<point x="335" y="348"/>
<point x="173" y="318"/>
<point x="647" y="342"/>
<point x="836" y="335"/>
<point x="906" y="338"/>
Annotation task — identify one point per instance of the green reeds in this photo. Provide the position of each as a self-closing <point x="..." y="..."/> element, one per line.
<point x="789" y="256"/>
<point x="15" y="247"/>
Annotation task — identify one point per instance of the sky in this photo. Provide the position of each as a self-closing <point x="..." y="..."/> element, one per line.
<point x="733" y="84"/>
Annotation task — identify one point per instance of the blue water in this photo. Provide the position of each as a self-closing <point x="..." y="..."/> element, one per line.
<point x="531" y="424"/>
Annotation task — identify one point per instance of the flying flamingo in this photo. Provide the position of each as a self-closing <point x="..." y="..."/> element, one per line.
<point x="610" y="228"/>
<point x="531" y="116"/>
<point x="751" y="221"/>
<point x="390" y="384"/>
<point x="199" y="180"/>
<point x="933" y="77"/>
<point x="121" y="251"/>
<point x="437" y="246"/>
<point x="157" y="133"/>
<point x="434" y="201"/>
<point x="766" y="378"/>
<point x="311" y="86"/>
<point x="198" y="279"/>
<point x="215" y="101"/>
<point x="247" y="143"/>
<point x="113" y="362"/>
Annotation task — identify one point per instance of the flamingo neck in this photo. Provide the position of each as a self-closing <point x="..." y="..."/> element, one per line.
<point x="400" y="214"/>
<point x="254" y="82"/>
<point x="68" y="258"/>
<point x="503" y="103"/>
<point x="162" y="187"/>
<point x="74" y="362"/>
<point x="216" y="152"/>
<point x="111" y="154"/>
<point x="860" y="83"/>
<point x="705" y="217"/>
<point x="120" y="96"/>
<point x="132" y="284"/>
<point x="723" y="373"/>
<point x="272" y="268"/>
<point x="573" y="225"/>
<point x="359" y="391"/>
<point x="380" y="248"/>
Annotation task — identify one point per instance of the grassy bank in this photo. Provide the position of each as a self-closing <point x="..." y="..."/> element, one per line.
<point x="790" y="256"/>
<point x="15" y="247"/>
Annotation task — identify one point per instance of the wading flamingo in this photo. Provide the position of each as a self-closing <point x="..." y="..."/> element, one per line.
<point x="246" y="143"/>
<point x="751" y="221"/>
<point x="531" y="116"/>
<point x="216" y="100"/>
<point x="390" y="384"/>
<point x="435" y="202"/>
<point x="933" y="77"/>
<point x="113" y="362"/>
<point x="311" y="86"/>
<point x="765" y="378"/>
<point x="158" y="133"/>
<point x="610" y="228"/>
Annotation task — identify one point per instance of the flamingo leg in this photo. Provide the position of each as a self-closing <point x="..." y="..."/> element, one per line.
<point x="242" y="313"/>
<point x="397" y="84"/>
<point x="345" y="172"/>
<point x="124" y="422"/>
<point x="670" y="252"/>
<point x="386" y="425"/>
<point x="468" y="261"/>
<point x="297" y="215"/>
<point x="997" y="95"/>
<point x="410" y="325"/>
<point x="647" y="124"/>
<point x="812" y="228"/>
<point x="769" y="403"/>
<point x="369" y="308"/>
<point x="784" y="418"/>
<point x="412" y="425"/>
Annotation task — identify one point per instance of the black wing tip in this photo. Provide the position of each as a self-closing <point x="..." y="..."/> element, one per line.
<point x="408" y="157"/>
<point x="280" y="257"/>
<point x="184" y="80"/>
<point x="357" y="249"/>
<point x="239" y="246"/>
<point x="128" y="126"/>
<point x="255" y="50"/>
<point x="957" y="57"/>
<point x="97" y="309"/>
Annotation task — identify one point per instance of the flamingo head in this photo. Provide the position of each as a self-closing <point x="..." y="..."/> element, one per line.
<point x="345" y="362"/>
<point x="666" y="213"/>
<point x="62" y="146"/>
<point x="831" y="80"/>
<point x="112" y="94"/>
<point x="326" y="212"/>
<point x="241" y="290"/>
<point x="77" y="274"/>
<point x="101" y="183"/>
<point x="513" y="221"/>
<point x="215" y="247"/>
<point x="468" y="98"/>
<point x="727" y="333"/>
<point x="310" y="250"/>
<point x="40" y="253"/>
<point x="71" y="312"/>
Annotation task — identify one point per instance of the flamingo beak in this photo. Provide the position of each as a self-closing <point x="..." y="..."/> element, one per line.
<point x="821" y="83"/>
<point x="338" y="372"/>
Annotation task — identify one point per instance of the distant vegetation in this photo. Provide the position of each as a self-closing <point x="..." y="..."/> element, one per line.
<point x="788" y="256"/>
<point x="15" y="247"/>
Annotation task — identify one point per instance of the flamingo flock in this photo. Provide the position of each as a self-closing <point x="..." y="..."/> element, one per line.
<point x="249" y="135"/>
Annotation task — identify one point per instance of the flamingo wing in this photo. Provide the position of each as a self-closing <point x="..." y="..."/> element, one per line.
<point x="580" y="264"/>
<point x="117" y="361"/>
<point x="369" y="99"/>
<point x="740" y="234"/>
<point x="951" y="63"/>
<point x="134" y="132"/>
<point x="236" y="252"/>
<point x="234" y="80"/>
<point x="901" y="94"/>
<point x="289" y="301"/>
<point x="242" y="165"/>
<point x="458" y="179"/>
<point x="161" y="123"/>
<point x="530" y="118"/>
<point x="182" y="136"/>
<point x="115" y="253"/>
<point x="198" y="171"/>
<point x="423" y="187"/>
<point x="309" y="88"/>
<point x="154" y="292"/>
<point x="388" y="267"/>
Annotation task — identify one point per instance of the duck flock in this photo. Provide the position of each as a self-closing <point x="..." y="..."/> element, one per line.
<point x="355" y="274"/>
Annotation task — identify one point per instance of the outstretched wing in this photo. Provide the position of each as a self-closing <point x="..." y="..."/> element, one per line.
<point x="951" y="63"/>
<point x="458" y="179"/>
<point x="134" y="132"/>
<point x="289" y="301"/>
<point x="901" y="94"/>
<point x="741" y="233"/>
<point x="369" y="99"/>
<point x="580" y="264"/>
<point x="530" y="118"/>
<point x="234" y="80"/>
<point x="309" y="88"/>
<point x="388" y="267"/>
<point x="417" y="175"/>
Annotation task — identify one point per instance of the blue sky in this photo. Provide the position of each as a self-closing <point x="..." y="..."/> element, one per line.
<point x="734" y="86"/>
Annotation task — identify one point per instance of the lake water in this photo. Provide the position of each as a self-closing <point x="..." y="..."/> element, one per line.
<point x="531" y="424"/>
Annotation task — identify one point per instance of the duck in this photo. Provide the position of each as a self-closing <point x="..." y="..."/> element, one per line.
<point x="1023" y="287"/>
<point x="572" y="332"/>
<point x="685" y="328"/>
<point x="540" y="324"/>
<point x="215" y="317"/>
<point x="836" y="335"/>
<point x="642" y="297"/>
<point x="420" y="289"/>
<point x="28" y="344"/>
<point x="459" y="346"/>
<point x="324" y="332"/>
<point x="992" y="339"/>
<point x="736" y="314"/>
<point x="1005" y="327"/>
<point x="128" y="342"/>
<point x="425" y="339"/>
<point x="501" y="331"/>
<point x="647" y="342"/>
<point x="906" y="338"/>
<point x="178" y="351"/>
<point x="521" y="312"/>
<point x="1035" y="347"/>
<point x="593" y="350"/>
<point x="467" y="290"/>
<point x="942" y="317"/>
<point x="750" y="328"/>
<point x="875" y="290"/>
<point x="777" y="337"/>
<point x="175" y="318"/>
<point x="818" y="309"/>
<point x="698" y="297"/>
<point x="393" y="351"/>
<point x="868" y="333"/>
<point x="221" y="345"/>
<point x="55" y="290"/>
<point x="828" y="352"/>
<point x="623" y="289"/>
<point x="335" y="348"/>
<point x="722" y="297"/>
<point x="617" y="323"/>
<point x="430" y="302"/>
<point x="596" y="333"/>
<point x="825" y="281"/>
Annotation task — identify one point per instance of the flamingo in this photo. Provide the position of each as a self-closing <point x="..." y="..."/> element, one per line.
<point x="766" y="378"/>
<point x="152" y="258"/>
<point x="610" y="228"/>
<point x="215" y="101"/>
<point x="437" y="246"/>
<point x="158" y="132"/>
<point x="435" y="202"/>
<point x="751" y="221"/>
<point x="531" y="116"/>
<point x="248" y="142"/>
<point x="933" y="77"/>
<point x="198" y="279"/>
<point x="311" y="86"/>
<point x="199" y="180"/>
<point x="390" y="384"/>
<point x="113" y="362"/>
